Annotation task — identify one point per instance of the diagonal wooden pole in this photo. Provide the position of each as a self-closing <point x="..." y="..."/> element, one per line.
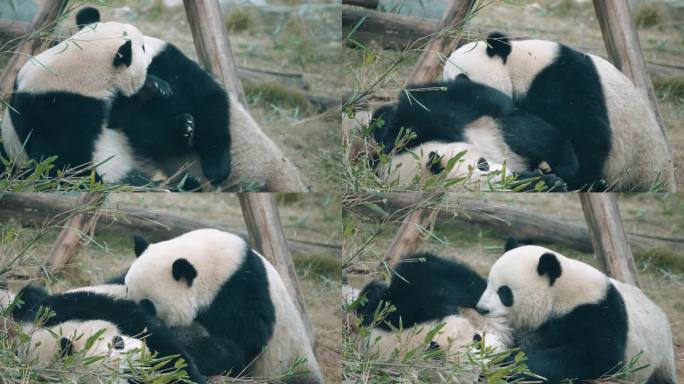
<point x="429" y="63"/>
<point x="69" y="240"/>
<point x="45" y="21"/>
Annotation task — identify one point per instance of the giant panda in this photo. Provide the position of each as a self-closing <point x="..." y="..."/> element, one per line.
<point x="426" y="291"/>
<point x="102" y="341"/>
<point x="62" y="100"/>
<point x="573" y="322"/>
<point x="484" y="119"/>
<point x="213" y="279"/>
<point x="195" y="117"/>
<point x="612" y="128"/>
<point x="122" y="317"/>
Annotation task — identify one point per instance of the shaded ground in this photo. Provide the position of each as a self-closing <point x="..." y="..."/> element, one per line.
<point x="567" y="21"/>
<point x="310" y="217"/>
<point x="645" y="214"/>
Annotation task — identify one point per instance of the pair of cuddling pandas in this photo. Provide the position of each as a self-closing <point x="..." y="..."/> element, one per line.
<point x="131" y="105"/>
<point x="570" y="319"/>
<point x="205" y="296"/>
<point x="545" y="109"/>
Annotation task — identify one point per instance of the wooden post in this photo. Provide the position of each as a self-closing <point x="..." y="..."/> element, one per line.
<point x="624" y="50"/>
<point x="45" y="20"/>
<point x="69" y="240"/>
<point x="429" y="63"/>
<point x="267" y="237"/>
<point x="212" y="44"/>
<point x="608" y="236"/>
<point x="371" y="4"/>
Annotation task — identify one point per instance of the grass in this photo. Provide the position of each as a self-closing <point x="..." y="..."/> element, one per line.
<point x="670" y="88"/>
<point x="648" y="15"/>
<point x="238" y="20"/>
<point x="279" y="95"/>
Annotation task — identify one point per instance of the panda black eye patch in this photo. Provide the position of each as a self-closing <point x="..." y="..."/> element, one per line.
<point x="505" y="295"/>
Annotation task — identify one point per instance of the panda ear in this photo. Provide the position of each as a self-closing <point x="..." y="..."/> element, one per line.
<point x="87" y="16"/>
<point x="498" y="45"/>
<point x="550" y="266"/>
<point x="66" y="347"/>
<point x="124" y="56"/>
<point x="182" y="269"/>
<point x="511" y="243"/>
<point x="139" y="245"/>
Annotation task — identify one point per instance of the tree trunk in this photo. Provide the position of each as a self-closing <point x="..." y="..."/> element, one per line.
<point x="371" y="4"/>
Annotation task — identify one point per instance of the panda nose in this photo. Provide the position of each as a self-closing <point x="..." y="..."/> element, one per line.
<point x="482" y="311"/>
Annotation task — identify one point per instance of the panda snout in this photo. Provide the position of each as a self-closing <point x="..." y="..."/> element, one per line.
<point x="482" y="311"/>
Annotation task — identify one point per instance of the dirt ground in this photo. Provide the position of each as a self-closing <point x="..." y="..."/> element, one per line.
<point x="571" y="22"/>
<point x="290" y="36"/>
<point x="661" y="215"/>
<point x="307" y="217"/>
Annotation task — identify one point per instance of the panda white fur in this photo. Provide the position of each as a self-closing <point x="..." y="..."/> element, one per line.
<point x="84" y="309"/>
<point x="573" y="322"/>
<point x="462" y="113"/>
<point x="425" y="291"/>
<point x="63" y="97"/>
<point x="610" y="123"/>
<point x="432" y="158"/>
<point x="213" y="278"/>
<point x="47" y="344"/>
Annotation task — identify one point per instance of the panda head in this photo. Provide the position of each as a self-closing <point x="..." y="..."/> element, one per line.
<point x="530" y="284"/>
<point x="177" y="278"/>
<point x="483" y="62"/>
<point x="118" y="48"/>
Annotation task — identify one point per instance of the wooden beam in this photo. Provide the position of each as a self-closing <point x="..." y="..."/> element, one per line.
<point x="212" y="44"/>
<point x="501" y="220"/>
<point x="608" y="236"/>
<point x="267" y="237"/>
<point x="45" y="21"/>
<point x="69" y="240"/>
<point x="124" y="219"/>
<point x="429" y="64"/>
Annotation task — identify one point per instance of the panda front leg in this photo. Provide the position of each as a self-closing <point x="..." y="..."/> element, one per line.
<point x="217" y="355"/>
<point x="561" y="363"/>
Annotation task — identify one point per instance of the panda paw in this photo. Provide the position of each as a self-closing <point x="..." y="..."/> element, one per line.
<point x="158" y="87"/>
<point x="189" y="183"/>
<point x="553" y="183"/>
<point x="434" y="163"/>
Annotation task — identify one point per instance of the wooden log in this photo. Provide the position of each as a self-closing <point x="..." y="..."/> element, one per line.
<point x="370" y="4"/>
<point x="504" y="221"/>
<point x="212" y="44"/>
<point x="13" y="29"/>
<point x="36" y="208"/>
<point x="45" y="21"/>
<point x="429" y="64"/>
<point x="608" y="236"/>
<point x="394" y="31"/>
<point x="255" y="76"/>
<point x="69" y="240"/>
<point x="266" y="235"/>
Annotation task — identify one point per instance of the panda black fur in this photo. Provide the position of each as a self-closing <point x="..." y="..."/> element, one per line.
<point x="573" y="322"/>
<point x="63" y="97"/>
<point x="460" y="110"/>
<point x="213" y="279"/>
<point x="193" y="117"/>
<point x="128" y="317"/>
<point x="612" y="128"/>
<point x="427" y="290"/>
